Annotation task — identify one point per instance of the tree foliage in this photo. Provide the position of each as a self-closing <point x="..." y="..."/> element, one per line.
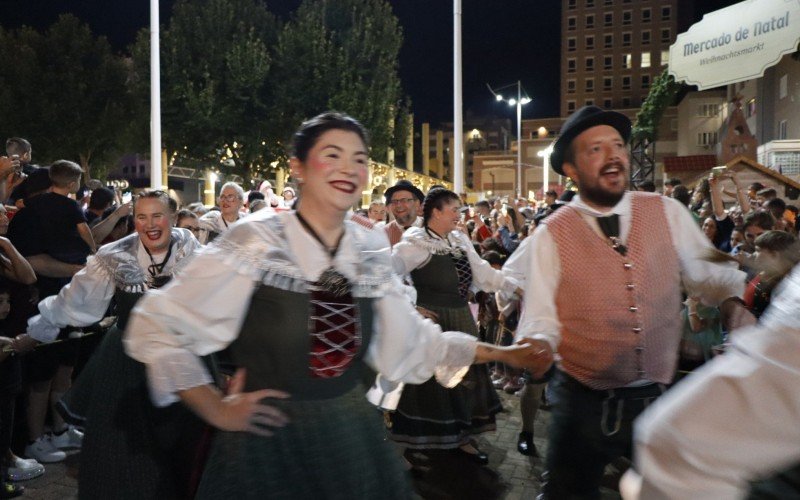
<point x="341" y="55"/>
<point x="215" y="90"/>
<point x="65" y="91"/>
<point x="661" y="96"/>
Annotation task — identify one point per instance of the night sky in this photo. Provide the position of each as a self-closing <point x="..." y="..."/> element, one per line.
<point x="503" y="41"/>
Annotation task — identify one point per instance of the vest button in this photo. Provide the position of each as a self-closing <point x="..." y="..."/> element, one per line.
<point x="630" y="286"/>
<point x="633" y="309"/>
<point x="637" y="330"/>
<point x="627" y="265"/>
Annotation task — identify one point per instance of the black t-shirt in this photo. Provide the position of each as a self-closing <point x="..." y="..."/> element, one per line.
<point x="59" y="217"/>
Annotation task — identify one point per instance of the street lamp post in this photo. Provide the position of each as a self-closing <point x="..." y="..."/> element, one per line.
<point x="518" y="101"/>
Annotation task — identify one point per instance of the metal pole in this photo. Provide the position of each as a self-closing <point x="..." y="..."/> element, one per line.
<point x="519" y="139"/>
<point x="458" y="119"/>
<point x="155" y="99"/>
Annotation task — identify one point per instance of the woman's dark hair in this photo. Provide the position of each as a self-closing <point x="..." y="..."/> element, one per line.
<point x="308" y="133"/>
<point x="436" y="198"/>
<point x="681" y="193"/>
<point x="255" y="195"/>
<point x="493" y="257"/>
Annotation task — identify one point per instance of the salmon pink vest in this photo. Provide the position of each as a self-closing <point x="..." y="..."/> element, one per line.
<point x="620" y="315"/>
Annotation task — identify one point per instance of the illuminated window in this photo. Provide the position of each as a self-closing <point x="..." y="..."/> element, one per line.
<point x="664" y="57"/>
<point x="627" y="61"/>
<point x="645" y="59"/>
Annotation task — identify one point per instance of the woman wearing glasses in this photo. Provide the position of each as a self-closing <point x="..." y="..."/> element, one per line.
<point x="130" y="448"/>
<point x="304" y="301"/>
<point x="186" y="219"/>
<point x="231" y="199"/>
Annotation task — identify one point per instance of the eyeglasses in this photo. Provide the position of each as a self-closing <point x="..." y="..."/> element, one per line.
<point x="402" y="201"/>
<point x="229" y="197"/>
<point x="193" y="229"/>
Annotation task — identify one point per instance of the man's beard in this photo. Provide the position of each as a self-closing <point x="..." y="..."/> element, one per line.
<point x="592" y="192"/>
<point x="406" y="219"/>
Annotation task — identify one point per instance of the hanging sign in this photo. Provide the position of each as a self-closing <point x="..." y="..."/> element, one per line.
<point x="736" y="43"/>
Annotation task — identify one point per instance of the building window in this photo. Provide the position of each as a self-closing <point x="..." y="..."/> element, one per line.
<point x="570" y="106"/>
<point x="627" y="60"/>
<point x="646" y="15"/>
<point x="645" y="59"/>
<point x="590" y="21"/>
<point x="626" y="83"/>
<point x="626" y="102"/>
<point x="627" y="17"/>
<point x="751" y="107"/>
<point x="666" y="13"/>
<point x="707" y="110"/>
<point x="706" y="138"/>
<point x="572" y="4"/>
<point x="572" y="23"/>
<point x="666" y="35"/>
<point x="626" y="39"/>
<point x="673" y="124"/>
<point x="782" y="130"/>
<point x="590" y="41"/>
<point x="608" y="19"/>
<point x="646" y="37"/>
<point x="608" y="2"/>
<point x="590" y="63"/>
<point x="589" y="85"/>
<point x="141" y="168"/>
<point x="571" y="86"/>
<point x="608" y="83"/>
<point x="608" y="62"/>
<point x="572" y="44"/>
<point x="608" y="41"/>
<point x="589" y="3"/>
<point x="645" y="81"/>
<point x="664" y="57"/>
<point x="125" y="169"/>
<point x="607" y="103"/>
<point x="589" y="102"/>
<point x="783" y="90"/>
<point x="572" y="65"/>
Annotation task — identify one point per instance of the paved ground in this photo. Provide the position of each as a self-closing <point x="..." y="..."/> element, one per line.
<point x="509" y="476"/>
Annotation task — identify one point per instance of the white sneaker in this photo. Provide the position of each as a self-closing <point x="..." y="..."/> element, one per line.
<point x="71" y="438"/>
<point x="43" y="451"/>
<point x="22" y="470"/>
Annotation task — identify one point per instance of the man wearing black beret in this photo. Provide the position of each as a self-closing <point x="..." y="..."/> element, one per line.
<point x="404" y="201"/>
<point x="603" y="290"/>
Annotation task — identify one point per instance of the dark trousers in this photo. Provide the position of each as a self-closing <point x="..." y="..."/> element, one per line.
<point x="7" y="403"/>
<point x="588" y="430"/>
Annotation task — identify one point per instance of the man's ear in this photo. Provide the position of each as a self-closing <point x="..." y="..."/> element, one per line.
<point x="569" y="170"/>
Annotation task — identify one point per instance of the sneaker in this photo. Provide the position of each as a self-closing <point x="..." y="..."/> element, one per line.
<point x="43" y="451"/>
<point x="21" y="469"/>
<point x="71" y="438"/>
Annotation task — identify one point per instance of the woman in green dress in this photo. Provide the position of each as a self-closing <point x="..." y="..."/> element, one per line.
<point x="304" y="301"/>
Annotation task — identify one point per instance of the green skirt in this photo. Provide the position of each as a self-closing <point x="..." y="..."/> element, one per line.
<point x="429" y="416"/>
<point x="332" y="449"/>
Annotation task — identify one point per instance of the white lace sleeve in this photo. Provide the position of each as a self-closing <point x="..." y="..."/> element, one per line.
<point x="197" y="313"/>
<point x="82" y="302"/>
<point x="409" y="348"/>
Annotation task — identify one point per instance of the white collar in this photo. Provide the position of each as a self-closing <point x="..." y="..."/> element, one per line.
<point x="623" y="207"/>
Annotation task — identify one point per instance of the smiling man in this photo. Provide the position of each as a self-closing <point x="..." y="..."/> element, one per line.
<point x="603" y="289"/>
<point x="404" y="201"/>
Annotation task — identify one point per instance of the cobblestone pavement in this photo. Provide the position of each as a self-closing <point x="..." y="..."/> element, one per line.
<point x="509" y="476"/>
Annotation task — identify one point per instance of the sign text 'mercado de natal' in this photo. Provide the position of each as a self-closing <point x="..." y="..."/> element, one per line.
<point x="736" y="43"/>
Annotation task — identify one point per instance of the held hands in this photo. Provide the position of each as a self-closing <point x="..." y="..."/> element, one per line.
<point x="243" y="411"/>
<point x="23" y="343"/>
<point x="534" y="355"/>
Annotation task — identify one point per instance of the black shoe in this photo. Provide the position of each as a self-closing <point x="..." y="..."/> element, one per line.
<point x="479" y="458"/>
<point x="525" y="444"/>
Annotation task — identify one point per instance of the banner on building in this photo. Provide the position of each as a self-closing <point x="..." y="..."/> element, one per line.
<point x="736" y="43"/>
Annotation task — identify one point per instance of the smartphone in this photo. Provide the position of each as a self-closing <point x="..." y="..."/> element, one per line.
<point x="718" y="171"/>
<point x="126" y="197"/>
